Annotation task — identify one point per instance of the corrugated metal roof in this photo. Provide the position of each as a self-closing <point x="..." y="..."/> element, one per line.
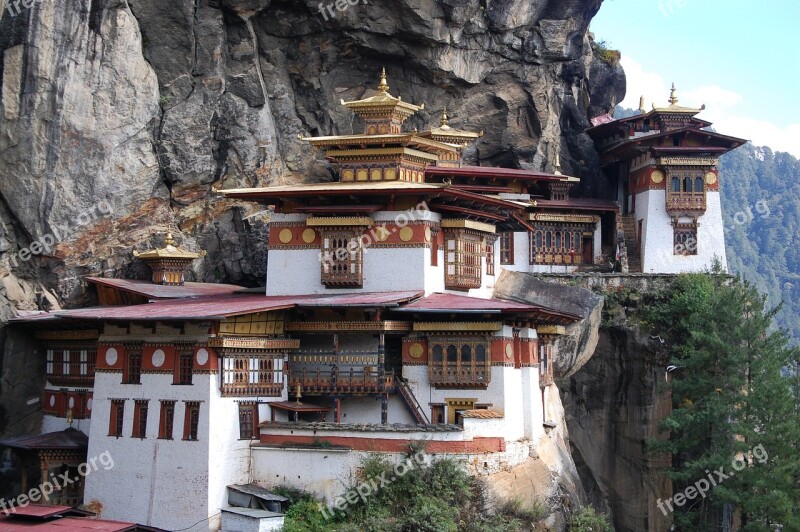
<point x="66" y="439"/>
<point x="258" y="491"/>
<point x="156" y="291"/>
<point x="491" y="171"/>
<point x="41" y="510"/>
<point x="221" y="306"/>
<point x="452" y="302"/>
<point x="482" y="414"/>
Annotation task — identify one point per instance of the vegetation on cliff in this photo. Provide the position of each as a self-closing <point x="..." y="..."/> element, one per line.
<point x="734" y="431"/>
<point x="439" y="496"/>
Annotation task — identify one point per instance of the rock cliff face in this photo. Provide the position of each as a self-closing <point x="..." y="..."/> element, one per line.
<point x="119" y="118"/>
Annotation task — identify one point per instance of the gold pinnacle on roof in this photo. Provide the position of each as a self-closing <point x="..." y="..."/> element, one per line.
<point x="641" y="105"/>
<point x="673" y="100"/>
<point x="444" y="118"/>
<point x="383" y="86"/>
<point x="557" y="165"/>
<point x="168" y="263"/>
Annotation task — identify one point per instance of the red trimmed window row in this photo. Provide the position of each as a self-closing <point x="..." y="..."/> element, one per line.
<point x="166" y="424"/>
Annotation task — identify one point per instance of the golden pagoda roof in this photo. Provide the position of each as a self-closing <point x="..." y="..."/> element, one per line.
<point x="674" y="107"/>
<point x="169" y="251"/>
<point x="444" y="131"/>
<point x="381" y="140"/>
<point x="383" y="100"/>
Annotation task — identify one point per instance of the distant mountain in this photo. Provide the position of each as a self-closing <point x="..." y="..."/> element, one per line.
<point x="761" y="211"/>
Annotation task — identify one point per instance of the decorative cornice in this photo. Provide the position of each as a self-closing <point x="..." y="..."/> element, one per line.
<point x="339" y="221"/>
<point x="90" y="334"/>
<point x="450" y="223"/>
<point x="458" y="326"/>
<point x="573" y="218"/>
<point x="238" y="342"/>
<point x="349" y="326"/>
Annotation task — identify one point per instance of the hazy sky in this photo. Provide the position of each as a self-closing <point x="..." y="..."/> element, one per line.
<point x="741" y="58"/>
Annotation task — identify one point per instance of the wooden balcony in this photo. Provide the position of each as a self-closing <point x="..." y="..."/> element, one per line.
<point x="251" y="389"/>
<point x="71" y="380"/>
<point x="344" y="380"/>
<point x="677" y="203"/>
<point x="460" y="375"/>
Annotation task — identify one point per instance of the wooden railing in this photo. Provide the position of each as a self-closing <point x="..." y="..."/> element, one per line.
<point x="460" y="375"/>
<point x="352" y="379"/>
<point x="686" y="202"/>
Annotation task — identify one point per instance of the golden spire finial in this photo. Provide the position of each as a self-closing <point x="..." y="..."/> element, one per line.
<point x="557" y="165"/>
<point x="641" y="105"/>
<point x="444" y="116"/>
<point x="673" y="100"/>
<point x="169" y="240"/>
<point x="383" y="87"/>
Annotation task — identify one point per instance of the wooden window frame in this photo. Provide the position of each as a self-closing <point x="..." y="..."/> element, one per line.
<point x="140" y="410"/>
<point x="434" y="248"/>
<point x="463" y="260"/>
<point x="248" y="421"/>
<point x="166" y="421"/>
<point x="184" y="366"/>
<point x="117" y="418"/>
<point x="490" y="262"/>
<point x="453" y="369"/>
<point x="557" y="243"/>
<point x="132" y="372"/>
<point x="191" y="420"/>
<point x="684" y="239"/>
<point x="342" y="258"/>
<point x="252" y="374"/>
<point x="507" y="248"/>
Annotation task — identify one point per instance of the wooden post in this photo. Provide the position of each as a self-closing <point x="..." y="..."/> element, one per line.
<point x="338" y="409"/>
<point x="384" y="408"/>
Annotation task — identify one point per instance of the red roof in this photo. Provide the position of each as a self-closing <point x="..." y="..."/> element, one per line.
<point x="602" y="119"/>
<point x="42" y="511"/>
<point x="218" y="307"/>
<point x="157" y="291"/>
<point x="439" y="302"/>
<point x="66" y="439"/>
<point x="491" y="171"/>
<point x="65" y="524"/>
<point x="578" y="204"/>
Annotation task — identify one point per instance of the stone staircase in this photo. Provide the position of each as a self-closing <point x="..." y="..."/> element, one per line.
<point x="629" y="229"/>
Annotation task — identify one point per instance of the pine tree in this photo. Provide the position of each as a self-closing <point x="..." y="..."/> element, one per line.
<point x="735" y="401"/>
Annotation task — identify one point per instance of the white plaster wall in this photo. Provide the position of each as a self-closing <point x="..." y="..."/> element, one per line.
<point x="56" y="424"/>
<point x="229" y="457"/>
<point x="598" y="240"/>
<point x="657" y="235"/>
<point x="367" y="409"/>
<point x="163" y="483"/>
<point x="521" y="257"/>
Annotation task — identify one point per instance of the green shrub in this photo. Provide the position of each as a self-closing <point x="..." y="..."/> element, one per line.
<point x="588" y="520"/>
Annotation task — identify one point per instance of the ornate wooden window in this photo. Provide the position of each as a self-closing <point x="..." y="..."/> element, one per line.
<point x="132" y="373"/>
<point x="191" y="420"/>
<point x="183" y="370"/>
<point x="248" y="375"/>
<point x="248" y="421"/>
<point x="115" y="424"/>
<point x="507" y="248"/>
<point x="139" y="419"/>
<point x="554" y="243"/>
<point x="342" y="259"/>
<point x="462" y="260"/>
<point x="684" y="239"/>
<point x="459" y="362"/>
<point x="71" y="366"/>
<point x="490" y="255"/>
<point x="166" y="420"/>
<point x="687" y="190"/>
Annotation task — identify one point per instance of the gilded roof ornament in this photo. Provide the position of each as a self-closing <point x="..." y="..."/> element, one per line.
<point x="673" y="100"/>
<point x="383" y="86"/>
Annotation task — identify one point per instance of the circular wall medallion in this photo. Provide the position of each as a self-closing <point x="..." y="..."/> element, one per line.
<point x="406" y="234"/>
<point x="427" y="234"/>
<point x="285" y="236"/>
<point x="376" y="174"/>
<point x="202" y="356"/>
<point x="52" y="400"/>
<point x="390" y="174"/>
<point x="309" y="235"/>
<point x="382" y="233"/>
<point x="509" y="351"/>
<point x="89" y="404"/>
<point x="711" y="178"/>
<point x="111" y="356"/>
<point x="657" y="176"/>
<point x="71" y="402"/>
<point x="158" y="358"/>
<point x="416" y="350"/>
<point x="348" y="175"/>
